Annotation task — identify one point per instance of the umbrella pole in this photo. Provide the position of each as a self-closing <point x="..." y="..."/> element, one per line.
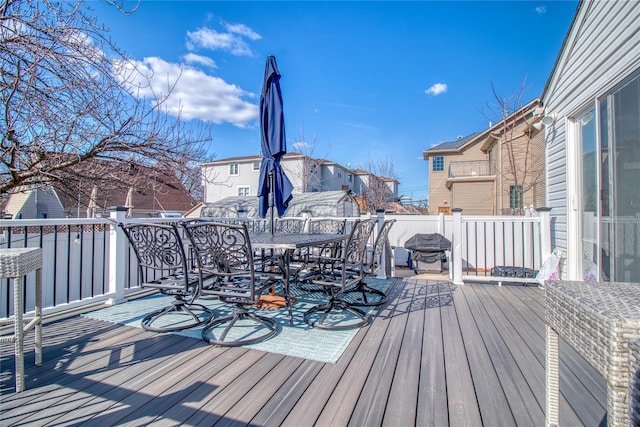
<point x="271" y="204"/>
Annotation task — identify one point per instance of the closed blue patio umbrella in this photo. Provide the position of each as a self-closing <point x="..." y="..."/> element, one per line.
<point x="274" y="188"/>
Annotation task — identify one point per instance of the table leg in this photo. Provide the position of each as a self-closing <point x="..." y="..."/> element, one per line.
<point x="552" y="378"/>
<point x="18" y="333"/>
<point x="38" y="316"/>
<point x="287" y="294"/>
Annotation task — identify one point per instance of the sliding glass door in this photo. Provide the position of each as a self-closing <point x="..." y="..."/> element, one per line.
<point x="610" y="178"/>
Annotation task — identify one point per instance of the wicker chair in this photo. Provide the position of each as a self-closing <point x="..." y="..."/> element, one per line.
<point x="341" y="273"/>
<point x="163" y="266"/>
<point x="224" y="253"/>
<point x="362" y="294"/>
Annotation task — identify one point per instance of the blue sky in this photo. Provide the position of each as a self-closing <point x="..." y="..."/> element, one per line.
<point x="362" y="82"/>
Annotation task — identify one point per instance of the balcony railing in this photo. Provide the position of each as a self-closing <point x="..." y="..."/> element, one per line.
<point x="471" y="169"/>
<point x="88" y="261"/>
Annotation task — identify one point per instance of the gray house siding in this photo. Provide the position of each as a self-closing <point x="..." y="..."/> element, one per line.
<point x="601" y="50"/>
<point x="34" y="204"/>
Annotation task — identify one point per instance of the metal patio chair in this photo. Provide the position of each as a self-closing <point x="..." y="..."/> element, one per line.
<point x="290" y="225"/>
<point x="164" y="266"/>
<point x="224" y="253"/>
<point x="340" y="274"/>
<point x="315" y="258"/>
<point x="361" y="294"/>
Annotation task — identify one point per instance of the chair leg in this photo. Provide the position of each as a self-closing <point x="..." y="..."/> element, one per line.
<point x="324" y="312"/>
<point x="178" y="306"/>
<point x="232" y="321"/>
<point x="363" y="295"/>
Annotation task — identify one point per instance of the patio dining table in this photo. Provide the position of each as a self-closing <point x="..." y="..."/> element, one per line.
<point x="285" y="244"/>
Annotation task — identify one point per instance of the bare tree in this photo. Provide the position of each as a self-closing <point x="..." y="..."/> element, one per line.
<point x="309" y="174"/>
<point x="189" y="172"/>
<point x="69" y="95"/>
<point x="381" y="176"/>
<point x="519" y="152"/>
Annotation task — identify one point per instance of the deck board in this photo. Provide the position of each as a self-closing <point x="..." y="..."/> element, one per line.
<point x="229" y="366"/>
<point x="435" y="355"/>
<point x="373" y="399"/>
<point x="432" y="392"/>
<point x="406" y="383"/>
<point x="581" y="386"/>
<point x="346" y="393"/>
<point x="311" y="404"/>
<point x="462" y="402"/>
<point x="521" y="376"/>
<point x="493" y="391"/>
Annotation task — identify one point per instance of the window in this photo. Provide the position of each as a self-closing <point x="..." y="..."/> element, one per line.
<point x="438" y="164"/>
<point x="256" y="165"/>
<point x="233" y="169"/>
<point x="244" y="191"/>
<point x="515" y="196"/>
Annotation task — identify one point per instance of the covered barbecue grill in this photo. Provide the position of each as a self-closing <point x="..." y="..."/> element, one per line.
<point x="427" y="251"/>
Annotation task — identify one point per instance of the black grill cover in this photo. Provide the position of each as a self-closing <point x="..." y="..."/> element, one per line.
<point x="434" y="242"/>
<point x="428" y="247"/>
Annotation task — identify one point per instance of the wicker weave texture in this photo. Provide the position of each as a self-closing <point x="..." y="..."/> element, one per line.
<point x="634" y="379"/>
<point x="598" y="320"/>
<point x="16" y="262"/>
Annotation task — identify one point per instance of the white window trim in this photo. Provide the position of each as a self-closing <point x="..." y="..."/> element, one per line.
<point x="574" y="251"/>
<point x="243" y="187"/>
<point x="237" y="168"/>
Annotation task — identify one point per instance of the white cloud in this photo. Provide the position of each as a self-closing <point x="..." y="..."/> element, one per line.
<point x="194" y="94"/>
<point x="192" y="58"/>
<point x="436" y="89"/>
<point x="300" y="146"/>
<point x="540" y="10"/>
<point x="242" y="30"/>
<point x="233" y="40"/>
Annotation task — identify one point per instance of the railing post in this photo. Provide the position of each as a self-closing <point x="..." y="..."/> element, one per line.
<point x="456" y="246"/>
<point x="117" y="251"/>
<point x="441" y="223"/>
<point x="545" y="233"/>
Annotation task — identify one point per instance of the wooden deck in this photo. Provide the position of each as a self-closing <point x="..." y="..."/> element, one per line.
<point x="435" y="355"/>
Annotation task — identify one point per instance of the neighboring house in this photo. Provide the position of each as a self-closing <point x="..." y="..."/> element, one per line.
<point x="373" y="189"/>
<point x="238" y="176"/>
<point x="494" y="172"/>
<point x="592" y="106"/>
<point x="33" y="203"/>
<point x="398" y="209"/>
<point x="144" y="191"/>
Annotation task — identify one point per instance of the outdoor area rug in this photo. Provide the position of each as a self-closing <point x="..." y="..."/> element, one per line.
<point x="299" y="340"/>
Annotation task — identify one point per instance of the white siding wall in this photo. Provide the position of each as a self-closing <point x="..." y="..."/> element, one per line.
<point x="600" y="51"/>
<point x="219" y="184"/>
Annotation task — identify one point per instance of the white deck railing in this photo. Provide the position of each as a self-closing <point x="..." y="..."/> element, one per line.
<point x="88" y="261"/>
